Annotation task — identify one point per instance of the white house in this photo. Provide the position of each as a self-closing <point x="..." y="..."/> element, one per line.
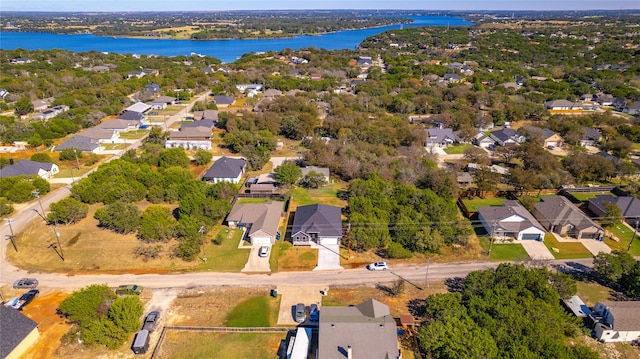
<point x="226" y="169"/>
<point x="617" y="321"/>
<point x="510" y="220"/>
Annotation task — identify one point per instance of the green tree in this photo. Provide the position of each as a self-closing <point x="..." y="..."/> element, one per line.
<point x="67" y="211"/>
<point x="119" y="217"/>
<point x="84" y="305"/>
<point x="173" y="157"/>
<point x="125" y="312"/>
<point x="613" y="266"/>
<point x="41" y="157"/>
<point x="23" y="106"/>
<point x="288" y="173"/>
<point x="70" y="154"/>
<point x="5" y="207"/>
<point x="313" y="180"/>
<point x="157" y="224"/>
<point x="203" y="157"/>
<point x="614" y="214"/>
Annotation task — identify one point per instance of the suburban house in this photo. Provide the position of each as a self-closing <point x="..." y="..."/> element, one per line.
<point x="272" y="93"/>
<point x="507" y="135"/>
<point x="364" y="62"/>
<point x="206" y="115"/>
<point x="366" y="330"/>
<point x="317" y="224"/>
<point x="190" y="138"/>
<point x="119" y="125"/>
<point x="558" y="215"/>
<point x="616" y="321"/>
<point x="102" y="135"/>
<point x="139" y="107"/>
<point x="632" y="109"/>
<point x="40" y="105"/>
<point x="563" y="106"/>
<point x="510" y="220"/>
<point x="452" y="78"/>
<point x="224" y="101"/>
<point x="629" y="207"/>
<point x="261" y="220"/>
<point x="244" y="87"/>
<point x="226" y="169"/>
<point x="202" y="123"/>
<point x="18" y="333"/>
<point x="50" y="113"/>
<point x="45" y="170"/>
<point x="162" y="102"/>
<point x="551" y="139"/>
<point x="321" y="170"/>
<point x="440" y="137"/>
<point x="132" y="116"/>
<point x="154" y="89"/>
<point x="483" y="140"/>
<point x="82" y="143"/>
<point x="577" y="307"/>
<point x="591" y="137"/>
<point x="20" y="60"/>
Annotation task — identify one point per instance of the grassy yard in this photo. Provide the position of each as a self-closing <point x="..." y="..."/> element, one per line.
<point x="624" y="235"/>
<point x="247" y="200"/>
<point x="325" y="195"/>
<point x="225" y="257"/>
<point x="585" y="196"/>
<point x="474" y="203"/>
<point x="504" y="251"/>
<point x="286" y="257"/>
<point x="260" y="311"/>
<point x="566" y="250"/>
<point x="592" y="292"/>
<point x="457" y="149"/>
<point x="180" y="344"/>
<point x="133" y="135"/>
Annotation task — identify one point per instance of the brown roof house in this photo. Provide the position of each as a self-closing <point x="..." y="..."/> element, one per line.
<point x="260" y="219"/>
<point x="366" y="330"/>
<point x="617" y="321"/>
<point x="190" y="138"/>
<point x="558" y="215"/>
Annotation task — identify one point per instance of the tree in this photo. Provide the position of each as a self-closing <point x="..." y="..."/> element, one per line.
<point x="203" y="157"/>
<point x="288" y="173"/>
<point x="476" y="155"/>
<point x="507" y="152"/>
<point x="173" y="157"/>
<point x="614" y="214"/>
<point x="119" y="217"/>
<point x="5" y="207"/>
<point x="313" y="179"/>
<point x="67" y="211"/>
<point x="613" y="266"/>
<point x="157" y="224"/>
<point x="125" y="313"/>
<point x="70" y="154"/>
<point x="619" y="146"/>
<point x="485" y="179"/>
<point x="41" y="157"/>
<point x="23" y="106"/>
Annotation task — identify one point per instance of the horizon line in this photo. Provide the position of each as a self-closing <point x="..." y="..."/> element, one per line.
<point x="319" y="9"/>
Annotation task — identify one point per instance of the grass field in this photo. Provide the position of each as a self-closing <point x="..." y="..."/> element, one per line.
<point x="585" y="196"/>
<point x="504" y="251"/>
<point x="625" y="235"/>
<point x="225" y="257"/>
<point x="472" y="204"/>
<point x="286" y="257"/>
<point x="456" y="150"/>
<point x="179" y="344"/>
<point x="260" y="311"/>
<point x="325" y="195"/>
<point x="592" y="292"/>
<point x="566" y="250"/>
<point x="133" y="135"/>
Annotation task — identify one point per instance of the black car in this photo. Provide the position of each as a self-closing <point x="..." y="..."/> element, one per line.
<point x="150" y="321"/>
<point x="26" y="298"/>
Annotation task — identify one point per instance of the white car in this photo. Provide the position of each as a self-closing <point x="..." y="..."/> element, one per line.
<point x="378" y="266"/>
<point x="263" y="251"/>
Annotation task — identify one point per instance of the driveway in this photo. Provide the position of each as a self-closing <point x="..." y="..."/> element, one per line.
<point x="536" y="250"/>
<point x="328" y="257"/>
<point x="292" y="295"/>
<point x="591" y="245"/>
<point x="257" y="264"/>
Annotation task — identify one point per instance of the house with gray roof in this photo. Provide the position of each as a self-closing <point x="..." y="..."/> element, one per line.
<point x="320" y="170"/>
<point x="190" y="138"/>
<point x="629" y="207"/>
<point x="440" y="137"/>
<point x="154" y="88"/>
<point x="210" y="124"/>
<point x="118" y="124"/>
<point x="226" y="169"/>
<point x="558" y="215"/>
<point x="366" y="330"/>
<point x="591" y="137"/>
<point x="132" y="116"/>
<point x="83" y="143"/>
<point x="18" y="333"/>
<point x="45" y="170"/>
<point x="617" y="321"/>
<point x="260" y="219"/>
<point x="223" y="101"/>
<point x="563" y="105"/>
<point x="507" y="135"/>
<point x="162" y="102"/>
<point x="317" y="224"/>
<point x="511" y="220"/>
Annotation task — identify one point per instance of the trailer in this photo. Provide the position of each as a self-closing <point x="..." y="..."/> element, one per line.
<point x="141" y="342"/>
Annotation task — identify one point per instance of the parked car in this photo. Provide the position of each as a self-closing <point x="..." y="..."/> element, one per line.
<point x="263" y="251"/>
<point x="25" y="299"/>
<point x="23" y="283"/>
<point x="129" y="289"/>
<point x="150" y="321"/>
<point x="314" y="314"/>
<point x="300" y="314"/>
<point x="378" y="266"/>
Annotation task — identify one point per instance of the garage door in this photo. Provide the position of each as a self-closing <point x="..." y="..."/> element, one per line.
<point x="534" y="236"/>
<point x="260" y="240"/>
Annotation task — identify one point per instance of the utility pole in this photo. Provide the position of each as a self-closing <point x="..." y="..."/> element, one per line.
<point x="349" y="238"/>
<point x="426" y="275"/>
<point x="55" y="231"/>
<point x="36" y="194"/>
<point x="11" y="237"/>
<point x="634" y="235"/>
<point x="493" y="228"/>
<point x="204" y="254"/>
<point x="75" y="152"/>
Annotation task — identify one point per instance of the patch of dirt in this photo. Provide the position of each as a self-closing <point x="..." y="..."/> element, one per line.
<point x="50" y="325"/>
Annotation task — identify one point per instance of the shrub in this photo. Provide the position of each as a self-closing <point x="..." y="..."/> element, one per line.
<point x="396" y="250"/>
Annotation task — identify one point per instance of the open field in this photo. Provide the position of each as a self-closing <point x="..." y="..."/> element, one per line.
<point x="457" y="149"/>
<point x="286" y="257"/>
<point x="258" y="311"/>
<point x="325" y="195"/>
<point x="474" y="203"/>
<point x="133" y="135"/>
<point x="566" y="250"/>
<point x="585" y="196"/>
<point x="179" y="344"/>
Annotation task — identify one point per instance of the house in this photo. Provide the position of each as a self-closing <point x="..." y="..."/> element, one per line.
<point x="317" y="224"/>
<point x="162" y="102"/>
<point x="577" y="307"/>
<point x="563" y="106"/>
<point x="366" y="330"/>
<point x="629" y="207"/>
<point x="18" y="333"/>
<point x="118" y="124"/>
<point x="190" y="138"/>
<point x="210" y="124"/>
<point x="262" y="188"/>
<point x="616" y="321"/>
<point x="50" y="113"/>
<point x="223" y="101"/>
<point x="321" y="170"/>
<point x="82" y="143"/>
<point x="244" y="87"/>
<point x="510" y="220"/>
<point x="507" y="135"/>
<point x="440" y="137"/>
<point x="272" y="93"/>
<point x="45" y="170"/>
<point x="452" y="78"/>
<point x="102" y="135"/>
<point x="154" y="89"/>
<point x="40" y="105"/>
<point x="226" y="169"/>
<point x="261" y="220"/>
<point x="140" y="107"/>
<point x="551" y="139"/>
<point x="3" y="93"/>
<point x="20" y="60"/>
<point x="132" y="116"/>
<point x="558" y="215"/>
<point x="207" y="70"/>
<point x="464" y="179"/>
<point x="364" y="62"/>
<point x="591" y="137"/>
<point x="483" y="140"/>
<point x="632" y="109"/>
<point x="299" y="344"/>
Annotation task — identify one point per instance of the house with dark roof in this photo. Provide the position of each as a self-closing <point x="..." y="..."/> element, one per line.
<point x="45" y="170"/>
<point x="452" y="78"/>
<point x="226" y="169"/>
<point x="511" y="220"/>
<point x="629" y="207"/>
<point x="154" y="89"/>
<point x="551" y="139"/>
<point x="210" y="124"/>
<point x="633" y="108"/>
<point x="260" y="219"/>
<point x="190" y="138"/>
<point x="558" y="215"/>
<point x="440" y="137"/>
<point x="366" y="330"/>
<point x="132" y="116"/>
<point x="83" y="143"/>
<point x="223" y="101"/>
<point x="507" y="135"/>
<point x="616" y="321"/>
<point x="563" y="106"/>
<point x="591" y="137"/>
<point x="18" y="333"/>
<point x="317" y="224"/>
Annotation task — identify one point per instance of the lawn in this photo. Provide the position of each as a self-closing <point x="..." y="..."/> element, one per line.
<point x="592" y="292"/>
<point x="456" y="150"/>
<point x="472" y="204"/>
<point x="260" y="311"/>
<point x="504" y="251"/>
<point x="224" y="257"/>
<point x="624" y="234"/>
<point x="325" y="195"/>
<point x="249" y="200"/>
<point x="286" y="257"/>
<point x="566" y="250"/>
<point x="193" y="345"/>
<point x="585" y="196"/>
<point x="133" y="135"/>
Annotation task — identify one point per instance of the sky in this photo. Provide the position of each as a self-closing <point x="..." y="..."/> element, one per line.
<point x="216" y="5"/>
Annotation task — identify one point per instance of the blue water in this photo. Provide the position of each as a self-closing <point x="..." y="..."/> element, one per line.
<point x="225" y="50"/>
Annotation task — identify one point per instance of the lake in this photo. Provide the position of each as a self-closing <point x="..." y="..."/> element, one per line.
<point x="225" y="50"/>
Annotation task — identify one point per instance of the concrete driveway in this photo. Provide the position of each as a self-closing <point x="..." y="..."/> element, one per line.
<point x="591" y="245"/>
<point x="328" y="258"/>
<point x="257" y="264"/>
<point x="536" y="250"/>
<point x="292" y="295"/>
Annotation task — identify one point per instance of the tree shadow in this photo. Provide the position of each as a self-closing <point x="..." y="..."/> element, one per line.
<point x="455" y="284"/>
<point x="416" y="307"/>
<point x="385" y="289"/>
